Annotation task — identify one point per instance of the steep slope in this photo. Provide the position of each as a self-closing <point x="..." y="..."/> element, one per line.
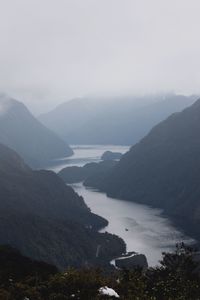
<point x="163" y="169"/>
<point x="20" y="131"/>
<point x="46" y="220"/>
<point x="68" y="118"/>
<point x="121" y="121"/>
<point x="15" y="266"/>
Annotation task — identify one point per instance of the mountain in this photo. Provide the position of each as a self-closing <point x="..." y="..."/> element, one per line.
<point x="120" y="121"/>
<point x="109" y="155"/>
<point x="22" y="132"/>
<point x="15" y="266"/>
<point x="163" y="169"/>
<point x="46" y="220"/>
<point x="87" y="172"/>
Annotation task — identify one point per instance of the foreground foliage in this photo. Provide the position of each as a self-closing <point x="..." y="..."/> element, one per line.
<point x="177" y="278"/>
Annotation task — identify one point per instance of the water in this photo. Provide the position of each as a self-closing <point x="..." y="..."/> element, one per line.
<point x="143" y="228"/>
<point x="148" y="231"/>
<point x="84" y="154"/>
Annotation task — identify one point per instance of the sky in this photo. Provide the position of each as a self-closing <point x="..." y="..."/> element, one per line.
<point x="55" y="50"/>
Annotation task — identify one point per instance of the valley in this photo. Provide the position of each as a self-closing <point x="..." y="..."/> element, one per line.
<point x="148" y="231"/>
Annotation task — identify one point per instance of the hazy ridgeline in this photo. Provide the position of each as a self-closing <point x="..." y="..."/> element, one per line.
<point x="99" y="149"/>
<point x="162" y="170"/>
<point x="47" y="220"/>
<point x="21" y="131"/>
<point x="119" y="121"/>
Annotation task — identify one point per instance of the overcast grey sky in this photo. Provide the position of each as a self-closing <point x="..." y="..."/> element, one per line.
<point x="52" y="50"/>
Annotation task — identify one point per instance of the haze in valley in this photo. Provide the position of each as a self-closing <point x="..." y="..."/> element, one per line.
<point x="53" y="51"/>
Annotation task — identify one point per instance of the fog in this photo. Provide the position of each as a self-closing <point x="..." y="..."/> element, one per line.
<point x="54" y="50"/>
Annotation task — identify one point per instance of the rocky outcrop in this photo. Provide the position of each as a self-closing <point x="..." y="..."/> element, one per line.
<point x="132" y="260"/>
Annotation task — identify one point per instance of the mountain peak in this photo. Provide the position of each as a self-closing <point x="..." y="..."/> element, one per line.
<point x="5" y="104"/>
<point x="22" y="132"/>
<point x="10" y="160"/>
<point x="8" y="104"/>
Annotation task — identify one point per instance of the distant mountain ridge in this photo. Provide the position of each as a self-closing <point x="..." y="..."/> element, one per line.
<point x="22" y="132"/>
<point x="119" y="121"/>
<point x="163" y="169"/>
<point x="46" y="220"/>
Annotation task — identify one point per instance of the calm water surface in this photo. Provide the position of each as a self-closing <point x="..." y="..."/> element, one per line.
<point x="148" y="231"/>
<point x="144" y="229"/>
<point x="84" y="154"/>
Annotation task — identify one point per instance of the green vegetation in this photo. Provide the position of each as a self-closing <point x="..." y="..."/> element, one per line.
<point x="177" y="278"/>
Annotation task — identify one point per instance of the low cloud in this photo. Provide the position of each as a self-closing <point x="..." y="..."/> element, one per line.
<point x="53" y="50"/>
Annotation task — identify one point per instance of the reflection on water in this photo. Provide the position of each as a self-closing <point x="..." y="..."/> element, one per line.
<point x="143" y="229"/>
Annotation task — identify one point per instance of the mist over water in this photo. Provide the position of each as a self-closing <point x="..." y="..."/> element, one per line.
<point x="144" y="229"/>
<point x="84" y="154"/>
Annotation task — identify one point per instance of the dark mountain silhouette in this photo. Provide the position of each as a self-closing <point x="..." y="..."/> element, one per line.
<point x="121" y="121"/>
<point x="22" y="132"/>
<point x="15" y="266"/>
<point x="46" y="220"/>
<point x="109" y="155"/>
<point x="163" y="169"/>
<point x="86" y="173"/>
